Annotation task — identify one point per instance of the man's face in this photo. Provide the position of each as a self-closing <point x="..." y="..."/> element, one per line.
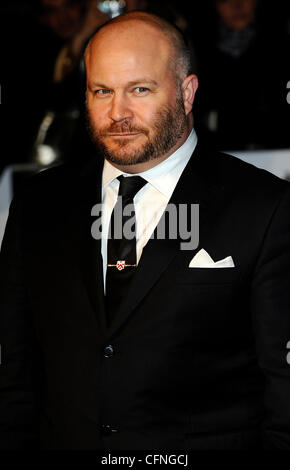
<point x="236" y="14"/>
<point x="63" y="17"/>
<point x="132" y="5"/>
<point x="134" y="105"/>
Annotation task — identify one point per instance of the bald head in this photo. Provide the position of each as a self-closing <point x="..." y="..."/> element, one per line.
<point x="143" y="26"/>
<point x="139" y="93"/>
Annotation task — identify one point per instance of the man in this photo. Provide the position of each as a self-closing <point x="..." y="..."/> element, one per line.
<point x="190" y="356"/>
<point x="237" y="15"/>
<point x="235" y="40"/>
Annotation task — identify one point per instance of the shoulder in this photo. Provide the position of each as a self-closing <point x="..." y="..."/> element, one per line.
<point x="239" y="177"/>
<point x="245" y="188"/>
<point x="258" y="186"/>
<point x="52" y="179"/>
<point x="231" y="166"/>
<point x="60" y="182"/>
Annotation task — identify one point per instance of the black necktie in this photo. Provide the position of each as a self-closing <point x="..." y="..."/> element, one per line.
<point x="121" y="253"/>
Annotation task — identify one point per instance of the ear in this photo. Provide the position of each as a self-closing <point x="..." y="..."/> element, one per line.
<point x="189" y="87"/>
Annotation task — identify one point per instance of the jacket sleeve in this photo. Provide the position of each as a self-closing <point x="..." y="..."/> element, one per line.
<point x="271" y="320"/>
<point x="20" y="367"/>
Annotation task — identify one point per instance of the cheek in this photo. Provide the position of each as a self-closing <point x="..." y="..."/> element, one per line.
<point x="96" y="114"/>
<point x="146" y="114"/>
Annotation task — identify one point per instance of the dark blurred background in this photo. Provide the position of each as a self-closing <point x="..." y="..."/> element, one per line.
<point x="241" y="55"/>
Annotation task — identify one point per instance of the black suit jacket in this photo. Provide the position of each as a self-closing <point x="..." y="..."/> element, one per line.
<point x="196" y="358"/>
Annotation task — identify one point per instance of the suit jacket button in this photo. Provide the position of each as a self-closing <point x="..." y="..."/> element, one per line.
<point x="108" y="351"/>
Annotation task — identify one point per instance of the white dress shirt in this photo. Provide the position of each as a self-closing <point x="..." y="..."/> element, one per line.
<point x="151" y="201"/>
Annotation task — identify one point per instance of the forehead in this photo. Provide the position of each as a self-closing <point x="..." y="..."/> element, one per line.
<point x="126" y="50"/>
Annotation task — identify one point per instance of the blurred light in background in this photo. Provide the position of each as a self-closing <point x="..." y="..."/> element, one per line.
<point x="112" y="8"/>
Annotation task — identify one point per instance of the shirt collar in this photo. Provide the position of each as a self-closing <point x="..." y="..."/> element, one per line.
<point x="162" y="175"/>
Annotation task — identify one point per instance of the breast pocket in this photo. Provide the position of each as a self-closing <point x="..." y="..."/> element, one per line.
<point x="208" y="275"/>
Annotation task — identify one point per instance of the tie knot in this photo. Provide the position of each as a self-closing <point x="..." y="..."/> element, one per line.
<point x="130" y="185"/>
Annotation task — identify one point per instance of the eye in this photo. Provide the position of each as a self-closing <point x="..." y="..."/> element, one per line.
<point x="102" y="92"/>
<point x="141" y="90"/>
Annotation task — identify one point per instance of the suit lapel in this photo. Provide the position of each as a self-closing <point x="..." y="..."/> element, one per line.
<point x="198" y="184"/>
<point x="88" y="249"/>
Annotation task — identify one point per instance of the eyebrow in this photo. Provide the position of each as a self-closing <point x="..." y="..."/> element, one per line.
<point x="129" y="84"/>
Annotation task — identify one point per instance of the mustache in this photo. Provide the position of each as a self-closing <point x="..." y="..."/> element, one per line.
<point x="122" y="128"/>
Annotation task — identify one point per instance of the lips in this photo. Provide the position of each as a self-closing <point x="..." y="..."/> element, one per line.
<point x="119" y="132"/>
<point x="123" y="134"/>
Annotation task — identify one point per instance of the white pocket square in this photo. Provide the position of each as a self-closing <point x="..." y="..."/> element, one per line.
<point x="203" y="260"/>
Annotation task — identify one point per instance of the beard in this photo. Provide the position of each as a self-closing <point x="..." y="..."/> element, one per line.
<point x="168" y="127"/>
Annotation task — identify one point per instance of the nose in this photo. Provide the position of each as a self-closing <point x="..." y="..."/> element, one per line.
<point x="120" y="109"/>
